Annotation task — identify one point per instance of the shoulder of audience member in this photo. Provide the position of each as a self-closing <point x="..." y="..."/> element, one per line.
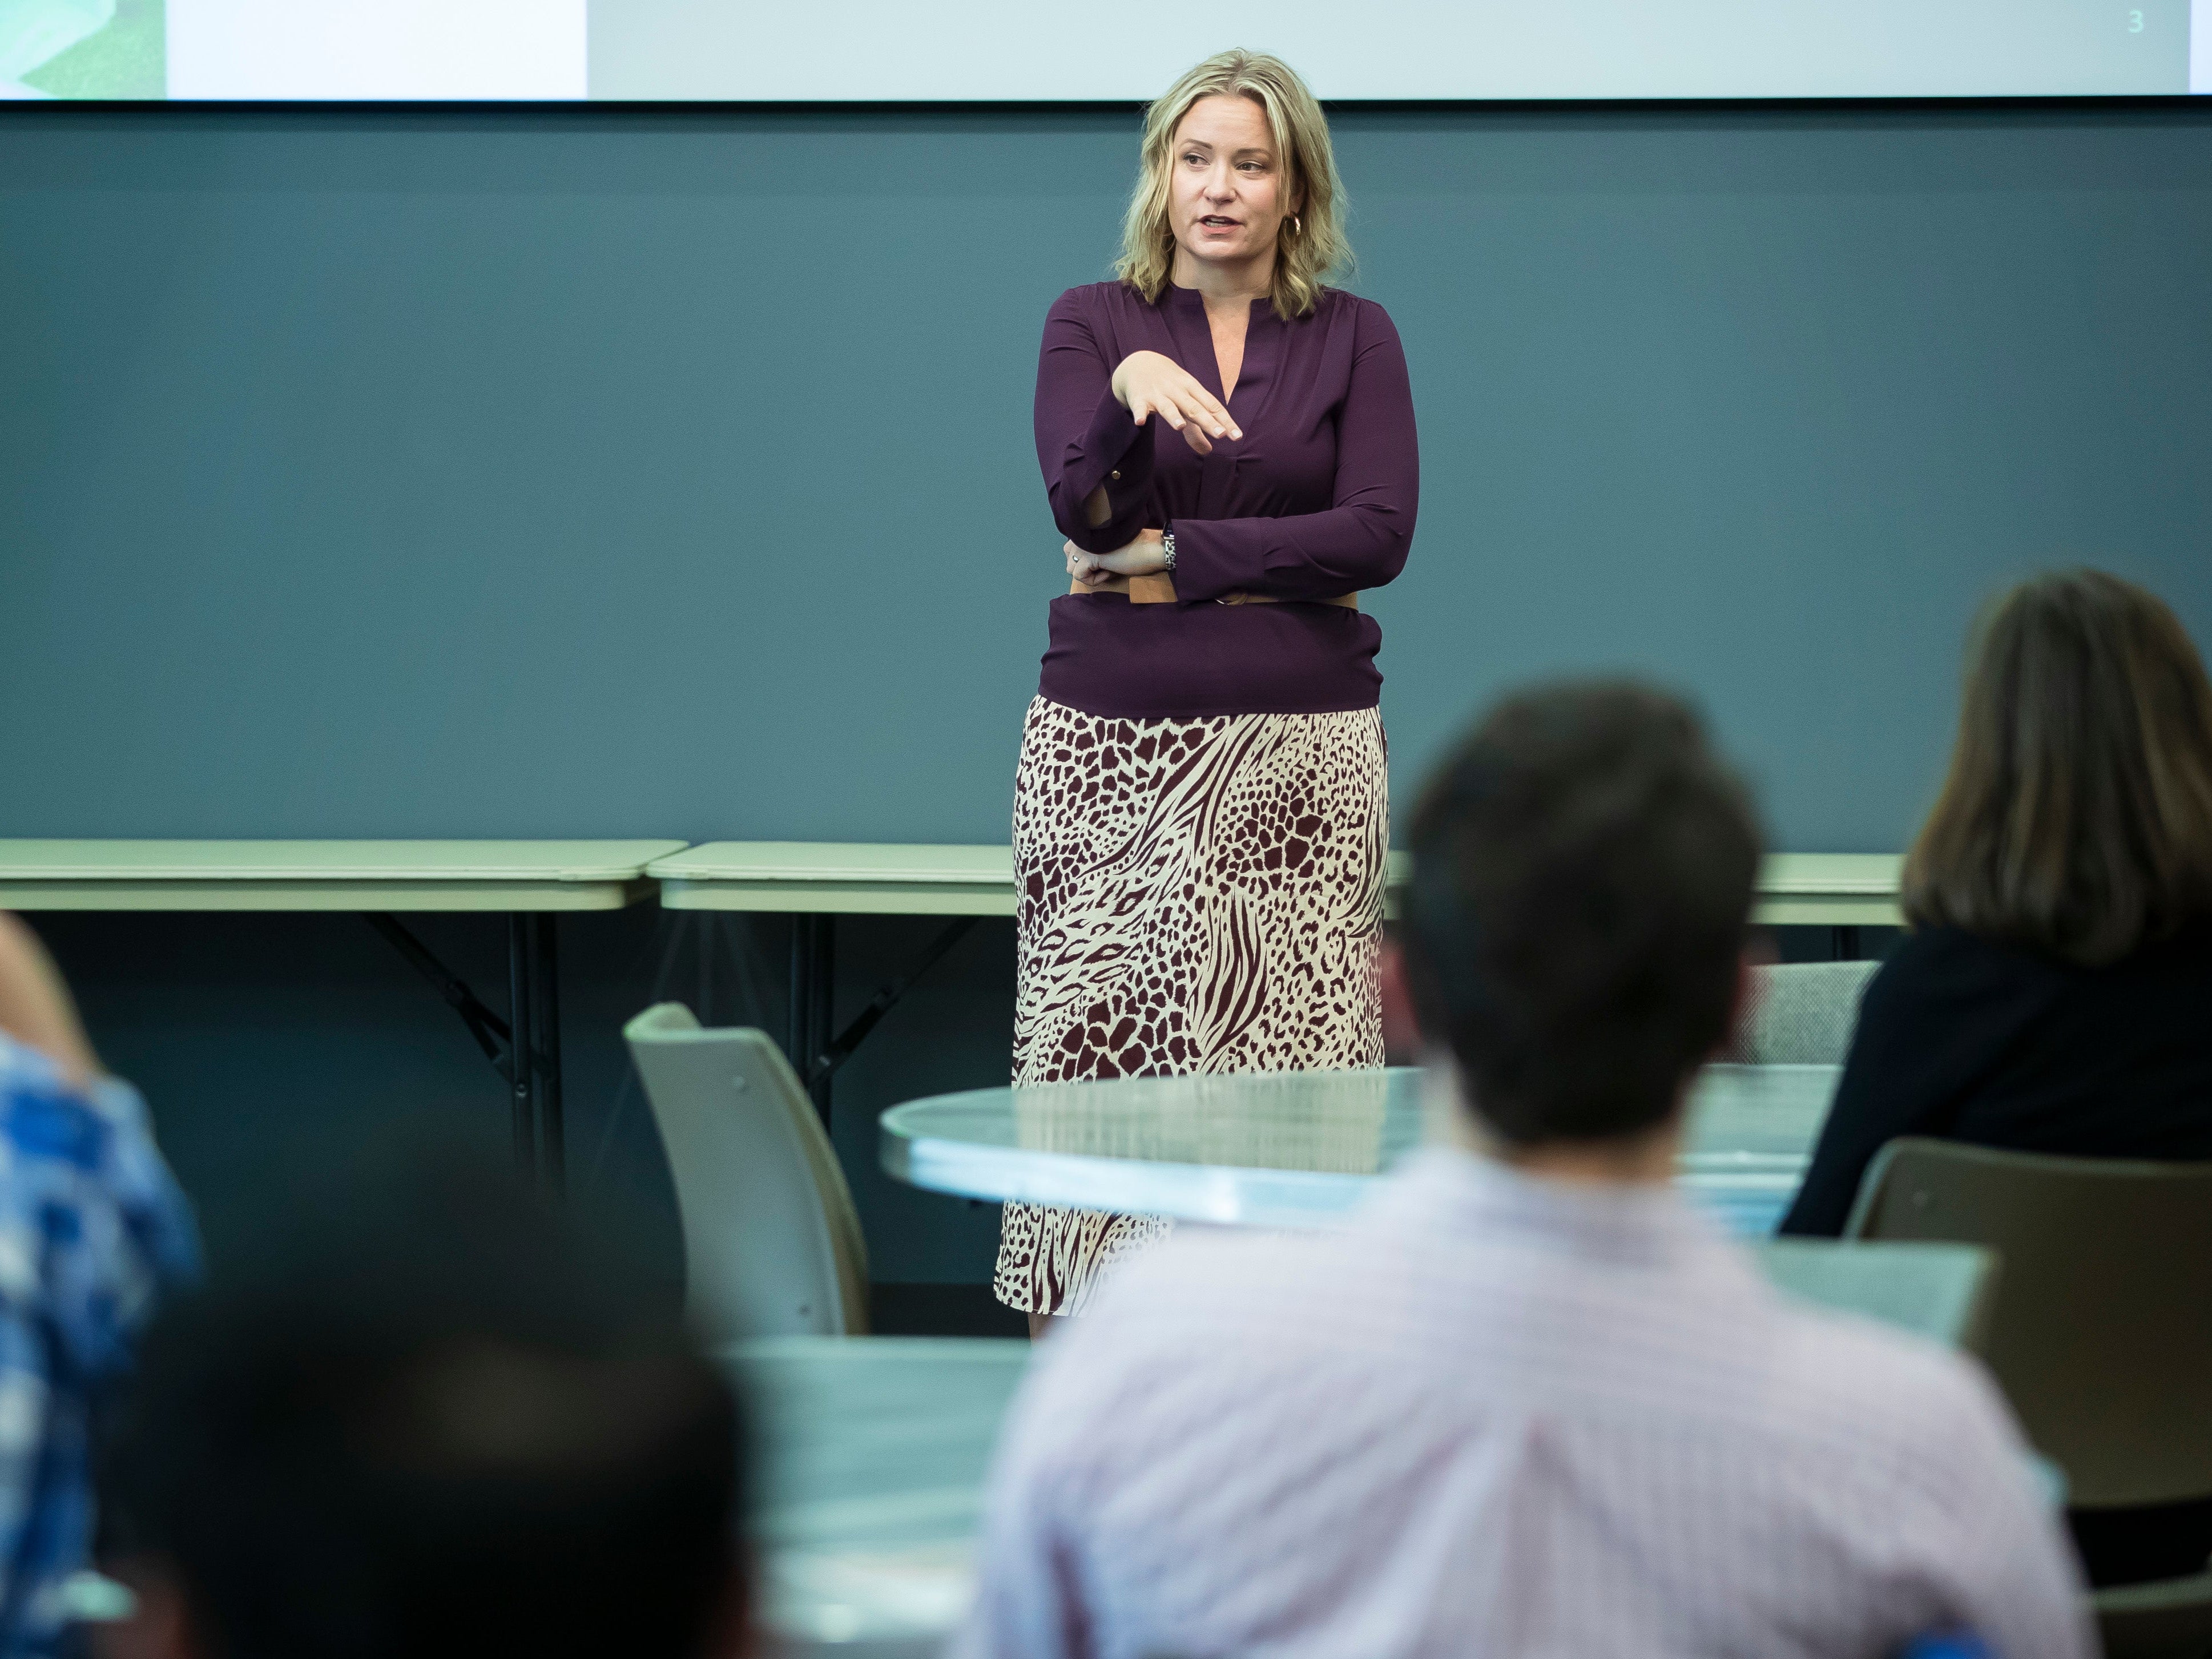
<point x="1153" y="1345"/>
<point x="1933" y="966"/>
<point x="1196" y="1268"/>
<point x="1920" y="950"/>
<point x="1910" y="1413"/>
<point x="1168" y="1306"/>
<point x="1055" y="1433"/>
<point x="25" y="1070"/>
<point x="29" y="1074"/>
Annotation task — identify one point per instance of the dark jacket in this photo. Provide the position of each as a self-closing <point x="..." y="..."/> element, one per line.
<point x="1965" y="1039"/>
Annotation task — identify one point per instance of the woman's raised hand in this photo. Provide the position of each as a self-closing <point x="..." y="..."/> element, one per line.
<point x="1149" y="383"/>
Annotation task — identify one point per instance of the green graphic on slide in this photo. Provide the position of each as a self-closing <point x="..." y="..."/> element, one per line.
<point x="83" y="49"/>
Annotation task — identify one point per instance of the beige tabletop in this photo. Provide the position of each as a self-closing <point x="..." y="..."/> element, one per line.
<point x="1829" y="890"/>
<point x="326" y="875"/>
<point x="850" y="878"/>
<point x="878" y="878"/>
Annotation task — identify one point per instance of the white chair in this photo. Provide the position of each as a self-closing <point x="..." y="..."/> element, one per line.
<point x="772" y="1246"/>
<point x="1801" y="1013"/>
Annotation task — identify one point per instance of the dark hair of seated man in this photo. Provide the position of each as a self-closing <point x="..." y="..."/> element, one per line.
<point x="1583" y="870"/>
<point x="451" y="1429"/>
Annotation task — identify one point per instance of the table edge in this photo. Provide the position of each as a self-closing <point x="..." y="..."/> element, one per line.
<point x="410" y="894"/>
<point x="1787" y="894"/>
<point x="650" y="850"/>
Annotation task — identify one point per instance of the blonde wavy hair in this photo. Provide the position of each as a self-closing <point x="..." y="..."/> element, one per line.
<point x="1311" y="245"/>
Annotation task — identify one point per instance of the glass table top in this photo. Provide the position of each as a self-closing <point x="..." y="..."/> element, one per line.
<point x="871" y="1454"/>
<point x="1294" y="1149"/>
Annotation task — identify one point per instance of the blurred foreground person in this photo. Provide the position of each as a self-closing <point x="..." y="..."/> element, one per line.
<point x="91" y="1224"/>
<point x="2054" y="993"/>
<point x="1527" y="1401"/>
<point x="445" y="1430"/>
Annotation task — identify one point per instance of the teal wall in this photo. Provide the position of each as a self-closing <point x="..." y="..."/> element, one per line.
<point x="593" y="474"/>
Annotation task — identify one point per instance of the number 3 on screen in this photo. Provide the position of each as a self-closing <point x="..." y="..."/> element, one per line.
<point x="2134" y="22"/>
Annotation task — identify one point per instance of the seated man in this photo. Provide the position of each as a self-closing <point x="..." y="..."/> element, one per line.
<point x="1527" y="1401"/>
<point x="91" y="1225"/>
<point x="445" y="1430"/>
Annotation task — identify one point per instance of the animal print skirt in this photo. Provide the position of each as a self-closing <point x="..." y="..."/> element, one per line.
<point x="1195" y="896"/>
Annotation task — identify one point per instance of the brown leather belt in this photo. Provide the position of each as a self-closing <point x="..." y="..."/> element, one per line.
<point x="1160" y="590"/>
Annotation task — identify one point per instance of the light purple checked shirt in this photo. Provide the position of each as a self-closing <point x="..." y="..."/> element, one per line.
<point x="1501" y="1416"/>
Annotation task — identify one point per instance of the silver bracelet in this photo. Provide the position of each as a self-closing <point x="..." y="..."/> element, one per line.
<point x="1167" y="549"/>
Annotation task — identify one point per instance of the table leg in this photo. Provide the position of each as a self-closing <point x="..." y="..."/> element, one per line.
<point x="546" y="1020"/>
<point x="824" y="1015"/>
<point x="813" y="986"/>
<point x="522" y="1056"/>
<point x="1844" y="943"/>
<point x="527" y="1050"/>
<point x="794" y="1024"/>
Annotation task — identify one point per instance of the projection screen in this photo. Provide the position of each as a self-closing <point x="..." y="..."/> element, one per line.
<point x="996" y="51"/>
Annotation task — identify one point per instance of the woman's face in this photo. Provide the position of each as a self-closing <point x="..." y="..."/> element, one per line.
<point x="1226" y="196"/>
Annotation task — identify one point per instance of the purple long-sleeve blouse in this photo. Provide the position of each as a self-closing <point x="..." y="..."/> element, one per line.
<point x="1317" y="500"/>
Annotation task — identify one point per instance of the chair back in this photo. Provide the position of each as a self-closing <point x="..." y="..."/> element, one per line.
<point x="772" y="1246"/>
<point x="2100" y="1330"/>
<point x="1801" y="1013"/>
<point x="1940" y="1291"/>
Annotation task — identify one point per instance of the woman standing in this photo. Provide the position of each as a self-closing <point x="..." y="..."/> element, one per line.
<point x="1201" y="811"/>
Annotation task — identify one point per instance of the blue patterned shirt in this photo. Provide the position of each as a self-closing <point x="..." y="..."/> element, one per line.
<point x="91" y="1223"/>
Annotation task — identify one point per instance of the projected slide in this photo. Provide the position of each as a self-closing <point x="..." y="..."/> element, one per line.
<point x="292" y="49"/>
<point x="991" y="50"/>
<point x="1385" y="48"/>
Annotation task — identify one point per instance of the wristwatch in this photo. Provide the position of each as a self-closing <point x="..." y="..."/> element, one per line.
<point x="1167" y="549"/>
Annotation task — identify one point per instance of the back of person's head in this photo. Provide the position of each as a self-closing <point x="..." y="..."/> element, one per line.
<point x="456" y="1428"/>
<point x="2077" y="816"/>
<point x="1582" y="873"/>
